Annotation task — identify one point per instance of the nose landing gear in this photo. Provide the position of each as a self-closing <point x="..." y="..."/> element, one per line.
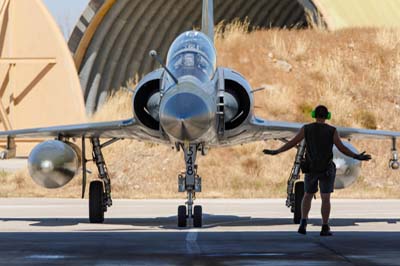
<point x="190" y="183"/>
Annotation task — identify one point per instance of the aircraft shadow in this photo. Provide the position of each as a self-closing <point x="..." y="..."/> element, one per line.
<point x="209" y="221"/>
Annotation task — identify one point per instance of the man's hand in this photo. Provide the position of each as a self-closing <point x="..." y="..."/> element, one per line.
<point x="270" y="152"/>
<point x="363" y="157"/>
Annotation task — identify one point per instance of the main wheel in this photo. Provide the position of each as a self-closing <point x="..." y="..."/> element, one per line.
<point x="197" y="216"/>
<point x="182" y="216"/>
<point x="298" y="198"/>
<point x="96" y="202"/>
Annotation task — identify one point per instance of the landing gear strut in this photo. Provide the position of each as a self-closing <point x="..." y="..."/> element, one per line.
<point x="10" y="150"/>
<point x="394" y="161"/>
<point x="295" y="188"/>
<point x="190" y="183"/>
<point x="99" y="190"/>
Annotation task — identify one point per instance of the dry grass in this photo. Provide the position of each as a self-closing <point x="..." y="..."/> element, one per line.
<point x="355" y="72"/>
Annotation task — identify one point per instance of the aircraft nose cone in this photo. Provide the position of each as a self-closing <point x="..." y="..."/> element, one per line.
<point x="185" y="116"/>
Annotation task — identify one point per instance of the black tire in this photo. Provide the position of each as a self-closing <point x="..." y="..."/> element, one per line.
<point x="182" y="222"/>
<point x="298" y="198"/>
<point x="96" y="202"/>
<point x="197" y="216"/>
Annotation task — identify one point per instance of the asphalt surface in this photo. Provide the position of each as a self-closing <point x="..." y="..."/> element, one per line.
<point x="235" y="232"/>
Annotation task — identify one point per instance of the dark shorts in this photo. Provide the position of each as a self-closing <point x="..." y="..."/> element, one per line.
<point x="326" y="181"/>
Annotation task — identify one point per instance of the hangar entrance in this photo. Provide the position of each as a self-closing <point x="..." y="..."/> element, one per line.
<point x="112" y="38"/>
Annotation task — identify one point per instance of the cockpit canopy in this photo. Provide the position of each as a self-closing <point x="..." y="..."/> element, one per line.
<point x="192" y="53"/>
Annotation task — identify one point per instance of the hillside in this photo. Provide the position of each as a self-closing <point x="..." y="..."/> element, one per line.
<point x="355" y="72"/>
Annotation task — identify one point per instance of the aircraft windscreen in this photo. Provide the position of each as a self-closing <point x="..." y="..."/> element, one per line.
<point x="192" y="53"/>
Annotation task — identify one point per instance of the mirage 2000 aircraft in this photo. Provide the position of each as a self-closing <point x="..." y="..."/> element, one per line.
<point x="191" y="105"/>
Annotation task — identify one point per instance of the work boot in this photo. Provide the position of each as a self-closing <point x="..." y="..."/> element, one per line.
<point x="325" y="230"/>
<point x="303" y="227"/>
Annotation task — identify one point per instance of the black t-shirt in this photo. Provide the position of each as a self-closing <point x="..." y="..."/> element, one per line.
<point x="319" y="145"/>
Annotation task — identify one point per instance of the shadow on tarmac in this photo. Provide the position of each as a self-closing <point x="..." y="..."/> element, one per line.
<point x="209" y="221"/>
<point x="212" y="248"/>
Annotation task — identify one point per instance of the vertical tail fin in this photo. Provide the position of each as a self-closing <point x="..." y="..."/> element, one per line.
<point x="207" y="26"/>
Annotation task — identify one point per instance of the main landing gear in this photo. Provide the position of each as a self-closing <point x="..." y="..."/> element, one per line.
<point x="394" y="161"/>
<point x="99" y="190"/>
<point x="295" y="188"/>
<point x="190" y="183"/>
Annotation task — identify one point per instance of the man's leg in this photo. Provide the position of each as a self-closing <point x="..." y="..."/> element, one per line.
<point x="310" y="188"/>
<point x="327" y="185"/>
<point x="305" y="209"/>
<point x="306" y="205"/>
<point x="325" y="207"/>
<point x="325" y="212"/>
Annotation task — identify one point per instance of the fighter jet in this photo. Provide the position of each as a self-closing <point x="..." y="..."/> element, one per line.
<point x="191" y="105"/>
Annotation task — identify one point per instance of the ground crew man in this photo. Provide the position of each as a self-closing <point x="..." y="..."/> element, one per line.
<point x="320" y="138"/>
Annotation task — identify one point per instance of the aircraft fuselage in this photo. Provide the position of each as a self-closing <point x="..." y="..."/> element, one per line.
<point x="188" y="108"/>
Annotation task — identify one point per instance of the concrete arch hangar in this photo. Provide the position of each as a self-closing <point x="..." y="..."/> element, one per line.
<point x="112" y="39"/>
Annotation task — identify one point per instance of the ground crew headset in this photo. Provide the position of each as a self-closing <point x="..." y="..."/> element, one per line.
<point x="328" y="114"/>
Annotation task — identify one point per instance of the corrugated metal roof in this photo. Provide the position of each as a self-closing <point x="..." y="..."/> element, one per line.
<point x="119" y="46"/>
<point x="113" y="37"/>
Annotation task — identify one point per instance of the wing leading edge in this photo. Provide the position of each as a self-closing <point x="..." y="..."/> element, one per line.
<point x="263" y="130"/>
<point x="128" y="129"/>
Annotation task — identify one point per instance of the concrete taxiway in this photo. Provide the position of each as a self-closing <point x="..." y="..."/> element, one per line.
<point x="236" y="232"/>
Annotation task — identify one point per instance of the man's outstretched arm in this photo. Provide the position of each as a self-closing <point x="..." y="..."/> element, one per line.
<point x="293" y="142"/>
<point x="339" y="144"/>
<point x="346" y="151"/>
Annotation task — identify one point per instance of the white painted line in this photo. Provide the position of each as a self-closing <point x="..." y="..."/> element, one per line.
<point x="47" y="257"/>
<point x="192" y="236"/>
<point x="191" y="244"/>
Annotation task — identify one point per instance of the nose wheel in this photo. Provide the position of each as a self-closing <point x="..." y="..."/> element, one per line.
<point x="187" y="214"/>
<point x="190" y="183"/>
<point x="182" y="216"/>
<point x="197" y="216"/>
